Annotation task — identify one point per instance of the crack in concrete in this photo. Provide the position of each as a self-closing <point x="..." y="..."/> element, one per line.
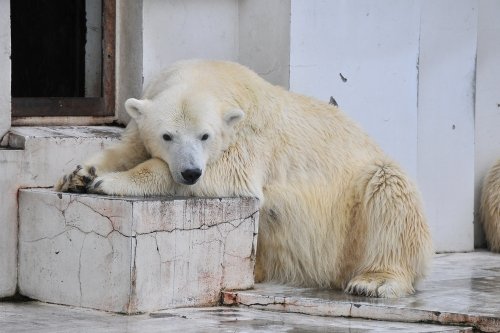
<point x="44" y="238"/>
<point x="133" y="278"/>
<point x="101" y="214"/>
<point x="80" y="269"/>
<point x="201" y="227"/>
<point x="204" y="226"/>
<point x="159" y="254"/>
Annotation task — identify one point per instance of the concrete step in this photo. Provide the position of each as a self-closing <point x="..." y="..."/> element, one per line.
<point x="134" y="255"/>
<point x="37" y="157"/>
<point x="462" y="289"/>
<point x="25" y="137"/>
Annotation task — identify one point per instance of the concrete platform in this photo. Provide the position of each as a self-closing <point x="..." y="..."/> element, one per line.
<point x="462" y="289"/>
<point x="134" y="255"/>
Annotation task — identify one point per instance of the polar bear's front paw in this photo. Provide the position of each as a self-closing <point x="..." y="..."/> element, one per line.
<point x="109" y="184"/>
<point x="77" y="181"/>
<point x="103" y="185"/>
<point x="385" y="285"/>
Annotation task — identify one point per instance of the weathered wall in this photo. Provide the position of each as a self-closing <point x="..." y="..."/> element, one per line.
<point x="174" y="30"/>
<point x="255" y="33"/>
<point x="264" y="38"/>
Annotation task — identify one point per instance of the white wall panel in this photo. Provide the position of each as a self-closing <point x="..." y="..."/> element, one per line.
<point x="174" y="30"/>
<point x="264" y="38"/>
<point x="446" y="120"/>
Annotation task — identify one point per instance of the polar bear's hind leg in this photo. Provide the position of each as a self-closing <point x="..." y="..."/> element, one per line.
<point x="398" y="245"/>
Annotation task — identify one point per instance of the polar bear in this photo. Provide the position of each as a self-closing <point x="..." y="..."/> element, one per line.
<point x="335" y="211"/>
<point x="490" y="207"/>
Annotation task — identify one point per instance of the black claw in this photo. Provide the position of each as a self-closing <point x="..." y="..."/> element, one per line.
<point x="77" y="189"/>
<point x="96" y="185"/>
<point x="86" y="179"/>
<point x="65" y="178"/>
<point x="78" y="168"/>
<point x="92" y="171"/>
<point x="80" y="189"/>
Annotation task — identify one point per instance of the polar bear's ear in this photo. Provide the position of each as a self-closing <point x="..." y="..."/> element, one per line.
<point x="233" y="116"/>
<point x="135" y="107"/>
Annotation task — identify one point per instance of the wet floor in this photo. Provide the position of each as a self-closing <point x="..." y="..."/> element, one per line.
<point x="45" y="318"/>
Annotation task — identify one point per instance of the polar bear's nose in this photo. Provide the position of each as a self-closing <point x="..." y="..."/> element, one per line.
<point x="191" y="175"/>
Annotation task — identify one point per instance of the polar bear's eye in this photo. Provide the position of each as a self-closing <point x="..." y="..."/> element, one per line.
<point x="167" y="137"/>
<point x="204" y="137"/>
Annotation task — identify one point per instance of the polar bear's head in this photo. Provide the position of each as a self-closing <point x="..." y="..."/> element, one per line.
<point x="187" y="131"/>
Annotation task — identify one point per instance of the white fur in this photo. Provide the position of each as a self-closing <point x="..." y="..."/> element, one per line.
<point x="490" y="207"/>
<point x="335" y="210"/>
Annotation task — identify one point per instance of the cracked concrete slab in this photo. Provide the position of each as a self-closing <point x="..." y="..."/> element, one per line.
<point x="134" y="255"/>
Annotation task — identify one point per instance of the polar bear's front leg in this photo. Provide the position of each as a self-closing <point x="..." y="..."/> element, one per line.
<point x="124" y="155"/>
<point x="119" y="157"/>
<point x="149" y="178"/>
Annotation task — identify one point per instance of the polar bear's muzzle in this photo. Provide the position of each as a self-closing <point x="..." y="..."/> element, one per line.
<point x="186" y="160"/>
<point x="191" y="176"/>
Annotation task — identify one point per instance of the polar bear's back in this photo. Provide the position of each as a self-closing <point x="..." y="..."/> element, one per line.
<point x="206" y="74"/>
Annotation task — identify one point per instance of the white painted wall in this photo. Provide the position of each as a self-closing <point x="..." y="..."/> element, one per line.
<point x="487" y="116"/>
<point x="174" y="30"/>
<point x="264" y="38"/>
<point x="446" y="120"/>
<point x="5" y="67"/>
<point x="376" y="51"/>
<point x="252" y="32"/>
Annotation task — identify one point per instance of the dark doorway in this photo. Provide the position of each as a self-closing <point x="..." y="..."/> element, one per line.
<point x="49" y="58"/>
<point x="48" y="48"/>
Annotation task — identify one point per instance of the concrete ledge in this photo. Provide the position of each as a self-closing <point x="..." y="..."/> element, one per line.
<point x="461" y="289"/>
<point x="134" y="255"/>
